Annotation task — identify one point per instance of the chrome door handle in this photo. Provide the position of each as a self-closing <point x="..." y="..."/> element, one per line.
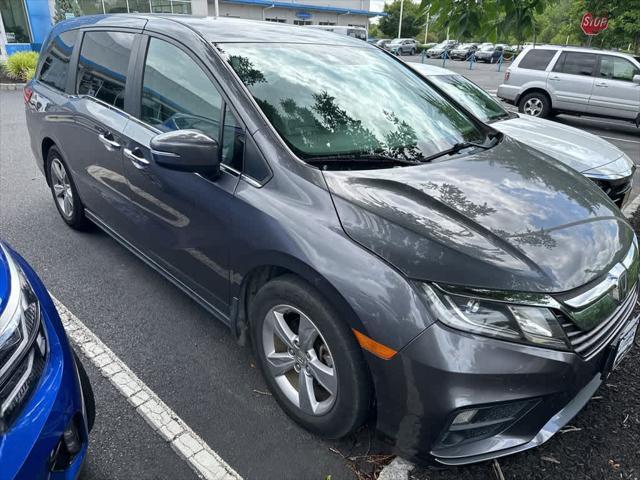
<point x="108" y="143"/>
<point x="602" y="84"/>
<point x="138" y="160"/>
<point x="555" y="78"/>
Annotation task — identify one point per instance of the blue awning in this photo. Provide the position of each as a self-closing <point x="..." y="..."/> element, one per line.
<point x="304" y="6"/>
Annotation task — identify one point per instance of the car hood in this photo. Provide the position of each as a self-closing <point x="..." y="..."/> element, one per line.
<point x="508" y="218"/>
<point x="578" y="149"/>
<point x="5" y="279"/>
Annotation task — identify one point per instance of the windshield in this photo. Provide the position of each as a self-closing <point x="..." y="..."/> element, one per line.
<point x="469" y="95"/>
<point x="334" y="100"/>
<point x="465" y="46"/>
<point x="396" y="41"/>
<point x="487" y="48"/>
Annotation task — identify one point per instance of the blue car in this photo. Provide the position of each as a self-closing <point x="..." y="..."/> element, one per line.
<point x="46" y="402"/>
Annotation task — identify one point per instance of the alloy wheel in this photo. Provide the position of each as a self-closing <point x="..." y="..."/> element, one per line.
<point x="62" y="187"/>
<point x="533" y="107"/>
<point x="299" y="360"/>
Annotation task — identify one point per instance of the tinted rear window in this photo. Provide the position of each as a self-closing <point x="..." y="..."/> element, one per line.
<point x="103" y="64"/>
<point x="55" y="67"/>
<point x="576" y="63"/>
<point x="537" y="59"/>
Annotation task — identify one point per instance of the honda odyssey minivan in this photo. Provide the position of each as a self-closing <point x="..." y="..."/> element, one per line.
<point x="386" y="254"/>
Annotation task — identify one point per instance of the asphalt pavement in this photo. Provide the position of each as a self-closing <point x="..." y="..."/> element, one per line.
<point x="183" y="354"/>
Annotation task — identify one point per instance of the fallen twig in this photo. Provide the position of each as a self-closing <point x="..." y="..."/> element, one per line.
<point x="570" y="428"/>
<point x="261" y="392"/>
<point x="497" y="470"/>
<point x="550" y="459"/>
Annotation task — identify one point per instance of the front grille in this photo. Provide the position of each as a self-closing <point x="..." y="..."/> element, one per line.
<point x="20" y="384"/>
<point x="589" y="343"/>
<point x="615" y="189"/>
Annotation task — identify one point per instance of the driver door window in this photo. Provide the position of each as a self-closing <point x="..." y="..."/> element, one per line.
<point x="176" y="92"/>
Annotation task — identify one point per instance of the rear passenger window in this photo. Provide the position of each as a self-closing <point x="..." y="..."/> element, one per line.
<point x="617" y="68"/>
<point x="103" y="65"/>
<point x="55" y="67"/>
<point x="576" y="63"/>
<point x="176" y="93"/>
<point x="537" y="59"/>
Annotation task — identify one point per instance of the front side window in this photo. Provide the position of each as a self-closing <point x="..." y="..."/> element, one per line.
<point x="14" y="20"/>
<point x="326" y="101"/>
<point x="176" y="92"/>
<point x="576" y="63"/>
<point x="232" y="141"/>
<point x="468" y="94"/>
<point x="103" y="65"/>
<point x="55" y="67"/>
<point x="537" y="59"/>
<point x="617" y="68"/>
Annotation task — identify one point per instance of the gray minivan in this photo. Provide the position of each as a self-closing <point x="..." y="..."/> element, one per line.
<point x="388" y="256"/>
<point x="548" y="79"/>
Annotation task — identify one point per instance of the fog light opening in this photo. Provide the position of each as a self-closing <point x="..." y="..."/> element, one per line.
<point x="464" y="417"/>
<point x="69" y="445"/>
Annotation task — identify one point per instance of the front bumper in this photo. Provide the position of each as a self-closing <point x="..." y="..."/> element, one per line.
<point x="26" y="448"/>
<point x="444" y="372"/>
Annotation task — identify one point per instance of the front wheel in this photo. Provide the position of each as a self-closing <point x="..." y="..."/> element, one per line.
<point x="536" y="104"/>
<point x="309" y="358"/>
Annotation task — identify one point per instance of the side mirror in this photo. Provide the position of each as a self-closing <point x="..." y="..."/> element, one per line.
<point x="636" y="79"/>
<point x="187" y="151"/>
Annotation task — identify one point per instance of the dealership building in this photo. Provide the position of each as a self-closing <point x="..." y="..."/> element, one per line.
<point x="26" y="23"/>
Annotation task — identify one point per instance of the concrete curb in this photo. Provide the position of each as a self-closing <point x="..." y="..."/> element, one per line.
<point x="631" y="207"/>
<point x="398" y="469"/>
<point x="12" y="86"/>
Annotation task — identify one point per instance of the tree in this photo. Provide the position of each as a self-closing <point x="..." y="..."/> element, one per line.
<point x="463" y="18"/>
<point x="64" y="7"/>
<point x="413" y="19"/>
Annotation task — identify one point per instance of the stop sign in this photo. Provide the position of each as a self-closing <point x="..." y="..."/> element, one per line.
<point x="593" y="25"/>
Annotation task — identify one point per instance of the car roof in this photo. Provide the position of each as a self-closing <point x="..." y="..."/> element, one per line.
<point x="430" y="70"/>
<point x="570" y="48"/>
<point x="224" y="29"/>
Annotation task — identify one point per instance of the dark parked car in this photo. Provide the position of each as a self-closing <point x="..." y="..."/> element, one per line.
<point x="489" y="53"/>
<point x="387" y="254"/>
<point x="463" y="51"/>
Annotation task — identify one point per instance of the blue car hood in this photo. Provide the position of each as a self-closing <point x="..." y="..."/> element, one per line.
<point x="5" y="282"/>
<point x="508" y="218"/>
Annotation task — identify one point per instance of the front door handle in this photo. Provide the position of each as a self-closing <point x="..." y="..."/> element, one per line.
<point x="137" y="157"/>
<point x="555" y="78"/>
<point x="602" y="84"/>
<point x="108" y="141"/>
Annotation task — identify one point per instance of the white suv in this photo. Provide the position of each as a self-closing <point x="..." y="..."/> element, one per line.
<point x="548" y="79"/>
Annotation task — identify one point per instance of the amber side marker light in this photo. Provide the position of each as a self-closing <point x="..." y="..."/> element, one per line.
<point x="370" y="345"/>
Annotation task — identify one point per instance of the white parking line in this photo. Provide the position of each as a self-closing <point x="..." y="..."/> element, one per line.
<point x="185" y="442"/>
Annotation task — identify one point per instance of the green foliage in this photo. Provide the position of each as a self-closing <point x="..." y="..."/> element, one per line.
<point x="64" y="7"/>
<point x="21" y="66"/>
<point x="413" y="19"/>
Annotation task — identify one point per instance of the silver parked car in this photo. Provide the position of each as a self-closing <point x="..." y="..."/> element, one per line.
<point x="594" y="157"/>
<point x="552" y="79"/>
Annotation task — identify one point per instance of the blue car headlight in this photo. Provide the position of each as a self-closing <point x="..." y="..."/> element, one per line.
<point x="22" y="344"/>
<point x="492" y="317"/>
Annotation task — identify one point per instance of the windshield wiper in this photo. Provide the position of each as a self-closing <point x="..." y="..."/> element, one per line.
<point x="458" y="147"/>
<point x="366" y="158"/>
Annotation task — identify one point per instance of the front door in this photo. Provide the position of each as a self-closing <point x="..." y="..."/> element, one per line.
<point x="100" y="121"/>
<point x="571" y="81"/>
<point x="182" y="219"/>
<point x="614" y="92"/>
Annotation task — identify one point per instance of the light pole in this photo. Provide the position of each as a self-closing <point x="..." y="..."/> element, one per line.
<point x="426" y="29"/>
<point x="400" y="22"/>
<point x="217" y="8"/>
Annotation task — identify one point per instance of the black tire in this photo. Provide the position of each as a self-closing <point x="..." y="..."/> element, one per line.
<point x="353" y="399"/>
<point x="525" y="104"/>
<point x="87" y="393"/>
<point x="76" y="219"/>
<point x="413" y="52"/>
<point x="492" y="60"/>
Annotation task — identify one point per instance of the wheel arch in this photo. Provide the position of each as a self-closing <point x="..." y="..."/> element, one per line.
<point x="45" y="146"/>
<point x="533" y="90"/>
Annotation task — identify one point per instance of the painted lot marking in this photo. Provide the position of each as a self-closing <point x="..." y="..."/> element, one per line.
<point x="185" y="442"/>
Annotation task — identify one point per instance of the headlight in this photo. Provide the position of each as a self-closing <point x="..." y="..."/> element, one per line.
<point x="509" y="321"/>
<point x="19" y="331"/>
